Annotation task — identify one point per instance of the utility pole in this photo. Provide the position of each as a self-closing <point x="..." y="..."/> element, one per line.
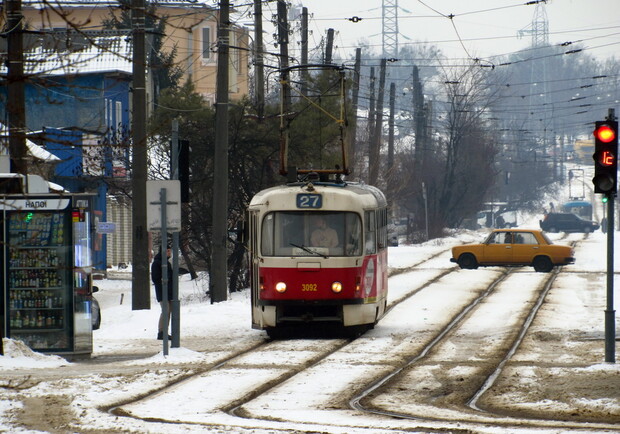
<point x="15" y="105"/>
<point x="610" y="313"/>
<point x="390" y="156"/>
<point x="219" y="251"/>
<point x="140" y="289"/>
<point x="418" y="123"/>
<point x="175" y="324"/>
<point x="354" y="104"/>
<point x="283" y="43"/>
<point x="15" y="82"/>
<point x="285" y="108"/>
<point x="260" y="62"/>
<point x="329" y="46"/>
<point x="304" y="51"/>
<point x="371" y="113"/>
<point x="375" y="143"/>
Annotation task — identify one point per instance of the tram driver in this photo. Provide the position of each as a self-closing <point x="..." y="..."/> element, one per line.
<point x="323" y="235"/>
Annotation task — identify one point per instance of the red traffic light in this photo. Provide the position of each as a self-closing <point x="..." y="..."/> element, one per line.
<point x="605" y="133"/>
<point x="605" y="157"/>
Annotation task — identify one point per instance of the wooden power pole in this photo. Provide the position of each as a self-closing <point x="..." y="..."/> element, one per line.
<point x="140" y="289"/>
<point x="375" y="141"/>
<point x="354" y="104"/>
<point x="219" y="252"/>
<point x="15" y="82"/>
<point x="259" y="83"/>
<point x="304" y="51"/>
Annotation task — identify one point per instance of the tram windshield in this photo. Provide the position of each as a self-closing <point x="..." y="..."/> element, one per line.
<point x="301" y="233"/>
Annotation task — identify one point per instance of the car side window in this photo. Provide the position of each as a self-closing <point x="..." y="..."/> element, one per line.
<point x="500" y="238"/>
<point x="496" y="238"/>
<point x="525" y="238"/>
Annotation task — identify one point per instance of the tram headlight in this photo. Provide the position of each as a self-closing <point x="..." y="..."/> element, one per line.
<point x="280" y="287"/>
<point x="337" y="287"/>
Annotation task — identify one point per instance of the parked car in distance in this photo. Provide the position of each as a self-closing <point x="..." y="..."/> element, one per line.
<point x="505" y="218"/>
<point x="567" y="222"/>
<point x="514" y="247"/>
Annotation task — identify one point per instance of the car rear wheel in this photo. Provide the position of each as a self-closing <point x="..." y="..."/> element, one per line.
<point x="587" y="229"/>
<point x="467" y="261"/>
<point x="542" y="264"/>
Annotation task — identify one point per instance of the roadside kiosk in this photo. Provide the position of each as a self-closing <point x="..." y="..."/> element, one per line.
<point x="46" y="262"/>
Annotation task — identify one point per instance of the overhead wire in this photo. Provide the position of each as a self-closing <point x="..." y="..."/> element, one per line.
<point x="442" y="64"/>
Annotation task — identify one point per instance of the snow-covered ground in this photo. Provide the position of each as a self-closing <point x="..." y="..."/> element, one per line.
<point x="125" y="347"/>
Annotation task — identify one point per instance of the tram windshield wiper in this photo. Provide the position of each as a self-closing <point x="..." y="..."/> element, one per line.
<point x="306" y="249"/>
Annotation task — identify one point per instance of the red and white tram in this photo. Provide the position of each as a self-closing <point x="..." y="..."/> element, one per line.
<point x="297" y="279"/>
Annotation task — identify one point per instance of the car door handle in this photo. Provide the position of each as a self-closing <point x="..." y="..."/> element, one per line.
<point x="509" y="247"/>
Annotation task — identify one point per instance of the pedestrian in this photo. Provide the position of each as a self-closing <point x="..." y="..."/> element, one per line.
<point x="499" y="222"/>
<point x="156" y="277"/>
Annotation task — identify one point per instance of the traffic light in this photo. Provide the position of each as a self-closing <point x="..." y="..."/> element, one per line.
<point x="605" y="157"/>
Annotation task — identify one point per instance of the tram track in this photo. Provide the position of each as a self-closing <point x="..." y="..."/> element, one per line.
<point x="238" y="407"/>
<point x="464" y="410"/>
<point x="235" y="407"/>
<point x="249" y="388"/>
<point x="437" y="336"/>
<point x="446" y="398"/>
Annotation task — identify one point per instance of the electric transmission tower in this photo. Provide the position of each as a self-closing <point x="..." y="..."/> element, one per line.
<point x="539" y="29"/>
<point x="390" y="29"/>
<point x="539" y="103"/>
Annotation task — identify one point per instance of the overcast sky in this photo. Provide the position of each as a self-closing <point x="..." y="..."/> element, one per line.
<point x="486" y="27"/>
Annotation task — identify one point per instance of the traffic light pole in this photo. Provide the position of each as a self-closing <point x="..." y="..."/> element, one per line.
<point x="606" y="181"/>
<point x="175" y="325"/>
<point x="610" y="313"/>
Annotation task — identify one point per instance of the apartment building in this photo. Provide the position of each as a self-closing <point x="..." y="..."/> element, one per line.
<point x="190" y="31"/>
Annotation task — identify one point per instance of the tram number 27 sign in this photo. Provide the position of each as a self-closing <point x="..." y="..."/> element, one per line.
<point x="307" y="200"/>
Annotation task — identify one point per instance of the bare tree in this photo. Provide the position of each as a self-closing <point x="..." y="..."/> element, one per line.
<point x="459" y="167"/>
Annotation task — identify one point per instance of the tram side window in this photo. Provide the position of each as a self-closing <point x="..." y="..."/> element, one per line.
<point x="353" y="235"/>
<point x="383" y="228"/>
<point x="267" y="235"/>
<point x="370" y="233"/>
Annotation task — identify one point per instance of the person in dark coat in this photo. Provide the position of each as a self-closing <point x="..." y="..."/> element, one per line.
<point x="156" y="278"/>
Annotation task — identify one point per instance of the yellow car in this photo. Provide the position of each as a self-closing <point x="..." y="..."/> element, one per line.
<point x="514" y="247"/>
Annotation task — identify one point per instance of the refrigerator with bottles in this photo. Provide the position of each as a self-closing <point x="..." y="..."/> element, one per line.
<point x="47" y="264"/>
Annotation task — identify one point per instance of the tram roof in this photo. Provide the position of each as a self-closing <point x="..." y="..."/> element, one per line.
<point x="577" y="203"/>
<point x="368" y="195"/>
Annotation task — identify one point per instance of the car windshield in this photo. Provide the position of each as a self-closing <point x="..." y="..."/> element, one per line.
<point x="544" y="235"/>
